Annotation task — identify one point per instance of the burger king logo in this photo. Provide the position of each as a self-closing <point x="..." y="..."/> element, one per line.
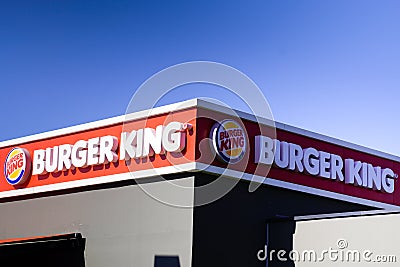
<point x="229" y="141"/>
<point x="17" y="166"/>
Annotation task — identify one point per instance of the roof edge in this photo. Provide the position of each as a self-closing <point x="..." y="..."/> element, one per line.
<point x="191" y="103"/>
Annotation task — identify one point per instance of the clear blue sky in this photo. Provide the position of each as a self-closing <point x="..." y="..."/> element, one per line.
<point x="329" y="66"/>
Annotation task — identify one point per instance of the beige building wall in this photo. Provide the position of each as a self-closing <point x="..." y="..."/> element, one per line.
<point x="123" y="226"/>
<point x="374" y="239"/>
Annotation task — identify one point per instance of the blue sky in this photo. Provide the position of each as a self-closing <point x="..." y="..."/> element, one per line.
<point x="327" y="66"/>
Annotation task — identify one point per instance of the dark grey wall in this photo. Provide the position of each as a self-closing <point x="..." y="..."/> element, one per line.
<point x="230" y="231"/>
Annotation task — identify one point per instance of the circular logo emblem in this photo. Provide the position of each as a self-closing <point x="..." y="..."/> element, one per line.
<point x="17" y="166"/>
<point x="229" y="141"/>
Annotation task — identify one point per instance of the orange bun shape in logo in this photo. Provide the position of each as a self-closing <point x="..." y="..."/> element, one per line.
<point x="17" y="166"/>
<point x="229" y="141"/>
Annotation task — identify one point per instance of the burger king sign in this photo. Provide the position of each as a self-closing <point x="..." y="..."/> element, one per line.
<point x="17" y="166"/>
<point x="229" y="141"/>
